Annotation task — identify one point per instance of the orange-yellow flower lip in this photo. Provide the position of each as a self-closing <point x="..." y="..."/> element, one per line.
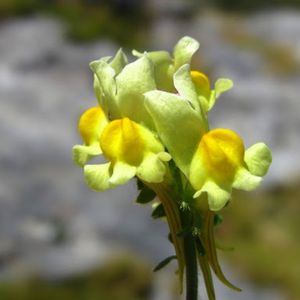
<point x="220" y="153"/>
<point x="91" y="124"/>
<point x="201" y="80"/>
<point x="121" y="140"/>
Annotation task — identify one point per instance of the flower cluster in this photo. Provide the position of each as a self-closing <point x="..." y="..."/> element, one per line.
<point x="155" y="109"/>
<point x="151" y="123"/>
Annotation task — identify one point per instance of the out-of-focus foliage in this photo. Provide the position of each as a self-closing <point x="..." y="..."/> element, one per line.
<point x="10" y="8"/>
<point x="123" y="278"/>
<point x="247" y="5"/>
<point x="265" y="233"/>
<point x="123" y="21"/>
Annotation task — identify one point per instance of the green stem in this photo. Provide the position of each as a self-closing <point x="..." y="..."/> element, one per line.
<point x="191" y="267"/>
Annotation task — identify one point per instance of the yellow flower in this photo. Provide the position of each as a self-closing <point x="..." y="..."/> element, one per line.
<point x="220" y="163"/>
<point x="132" y="150"/>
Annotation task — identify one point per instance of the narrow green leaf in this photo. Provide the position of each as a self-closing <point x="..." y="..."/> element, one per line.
<point x="209" y="284"/>
<point x="210" y="247"/>
<point x="164" y="262"/>
<point x="145" y="196"/>
<point x="139" y="183"/>
<point x="205" y="269"/>
<point x="158" y="212"/>
<point x="170" y="238"/>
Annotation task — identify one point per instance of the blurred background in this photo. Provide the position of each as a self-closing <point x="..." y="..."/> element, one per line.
<point x="58" y="239"/>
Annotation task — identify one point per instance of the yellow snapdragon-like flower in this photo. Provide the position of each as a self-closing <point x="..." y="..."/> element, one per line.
<point x="219" y="164"/>
<point x="214" y="161"/>
<point x="132" y="150"/>
<point x="90" y="126"/>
